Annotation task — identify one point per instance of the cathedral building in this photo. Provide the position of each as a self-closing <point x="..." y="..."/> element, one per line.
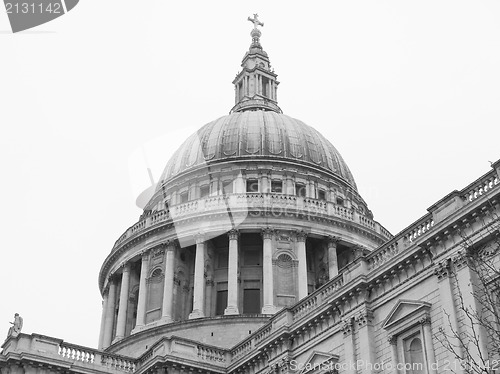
<point x="256" y="254"/>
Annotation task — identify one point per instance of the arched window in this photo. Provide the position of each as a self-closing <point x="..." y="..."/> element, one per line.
<point x="414" y="355"/>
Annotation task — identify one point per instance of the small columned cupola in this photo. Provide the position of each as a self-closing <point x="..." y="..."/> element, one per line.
<point x="256" y="85"/>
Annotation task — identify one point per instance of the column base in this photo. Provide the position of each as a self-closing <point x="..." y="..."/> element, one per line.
<point x="268" y="309"/>
<point x="231" y="310"/>
<point x="117" y="339"/>
<point x="166" y="319"/>
<point x="137" y="328"/>
<point x="196" y="314"/>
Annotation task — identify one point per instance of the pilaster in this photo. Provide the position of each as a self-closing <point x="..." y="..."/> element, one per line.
<point x="365" y="331"/>
<point x="349" y="353"/>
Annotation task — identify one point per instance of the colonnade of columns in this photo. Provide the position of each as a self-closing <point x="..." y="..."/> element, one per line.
<point x="109" y="325"/>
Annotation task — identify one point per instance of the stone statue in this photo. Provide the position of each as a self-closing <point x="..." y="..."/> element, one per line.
<point x="16" y="327"/>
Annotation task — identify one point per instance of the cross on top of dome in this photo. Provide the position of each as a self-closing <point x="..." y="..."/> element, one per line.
<point x="256" y="85"/>
<point x="255" y="21"/>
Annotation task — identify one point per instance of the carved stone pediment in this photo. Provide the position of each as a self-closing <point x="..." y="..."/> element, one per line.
<point x="319" y="362"/>
<point x="406" y="313"/>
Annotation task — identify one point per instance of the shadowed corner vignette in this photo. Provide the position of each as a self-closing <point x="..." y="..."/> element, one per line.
<point x="26" y="14"/>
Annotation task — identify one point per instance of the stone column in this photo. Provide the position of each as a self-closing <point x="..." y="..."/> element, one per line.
<point x="349" y="353"/>
<point x="232" y="274"/>
<point x="199" y="279"/>
<point x="301" y="255"/>
<point x="167" y="313"/>
<point x="449" y="315"/>
<point x="103" y="318"/>
<point x="333" y="266"/>
<point x="143" y="290"/>
<point x="428" y="345"/>
<point x="110" y="314"/>
<point x="366" y="339"/>
<point x="122" y="308"/>
<point x="267" y="272"/>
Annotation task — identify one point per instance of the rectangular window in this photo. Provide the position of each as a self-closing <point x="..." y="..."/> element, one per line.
<point x="321" y="195"/>
<point x="204" y="191"/>
<point x="340" y="201"/>
<point x="300" y="190"/>
<point x="223" y="258"/>
<point x="277" y="186"/>
<point x="252" y="258"/>
<point x="184" y="197"/>
<point x="221" y="302"/>
<point x="252" y="185"/>
<point x="251" y="301"/>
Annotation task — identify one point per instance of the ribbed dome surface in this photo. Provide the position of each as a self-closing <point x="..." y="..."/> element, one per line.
<point x="257" y="135"/>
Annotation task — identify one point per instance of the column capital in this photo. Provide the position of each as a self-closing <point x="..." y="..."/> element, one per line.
<point x="171" y="245"/>
<point x="144" y="254"/>
<point x="267" y="233"/>
<point x="125" y="266"/>
<point x="332" y="241"/>
<point x="460" y="261"/>
<point x="301" y="236"/>
<point x="364" y="318"/>
<point x="392" y="339"/>
<point x="233" y="234"/>
<point x="442" y="270"/>
<point x="200" y="238"/>
<point x="346" y="327"/>
<point x="425" y="320"/>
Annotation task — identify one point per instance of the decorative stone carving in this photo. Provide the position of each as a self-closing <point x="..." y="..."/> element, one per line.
<point x="364" y="318"/>
<point x="425" y="320"/>
<point x="392" y="339"/>
<point x="267" y="233"/>
<point x="347" y="327"/>
<point x="233" y="234"/>
<point x="442" y="270"/>
<point x="333" y="241"/>
<point x="301" y="236"/>
<point x="460" y="261"/>
<point x="200" y="238"/>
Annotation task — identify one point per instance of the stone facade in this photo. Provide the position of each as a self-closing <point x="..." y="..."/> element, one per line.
<point x="256" y="259"/>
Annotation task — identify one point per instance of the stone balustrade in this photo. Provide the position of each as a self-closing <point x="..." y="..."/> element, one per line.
<point x="77" y="356"/>
<point x="480" y="187"/>
<point x="275" y="203"/>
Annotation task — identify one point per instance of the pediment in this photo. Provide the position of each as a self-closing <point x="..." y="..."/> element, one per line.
<point x="318" y="361"/>
<point x="404" y="310"/>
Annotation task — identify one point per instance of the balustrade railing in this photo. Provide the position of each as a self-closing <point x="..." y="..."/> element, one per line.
<point x="76" y="353"/>
<point x="211" y="354"/>
<point x="481" y="187"/>
<point x="91" y="356"/>
<point x="276" y="202"/>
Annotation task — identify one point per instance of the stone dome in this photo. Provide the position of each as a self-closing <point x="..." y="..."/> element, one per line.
<point x="257" y="135"/>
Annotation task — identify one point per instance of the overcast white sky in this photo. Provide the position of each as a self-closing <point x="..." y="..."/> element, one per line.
<point x="408" y="92"/>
